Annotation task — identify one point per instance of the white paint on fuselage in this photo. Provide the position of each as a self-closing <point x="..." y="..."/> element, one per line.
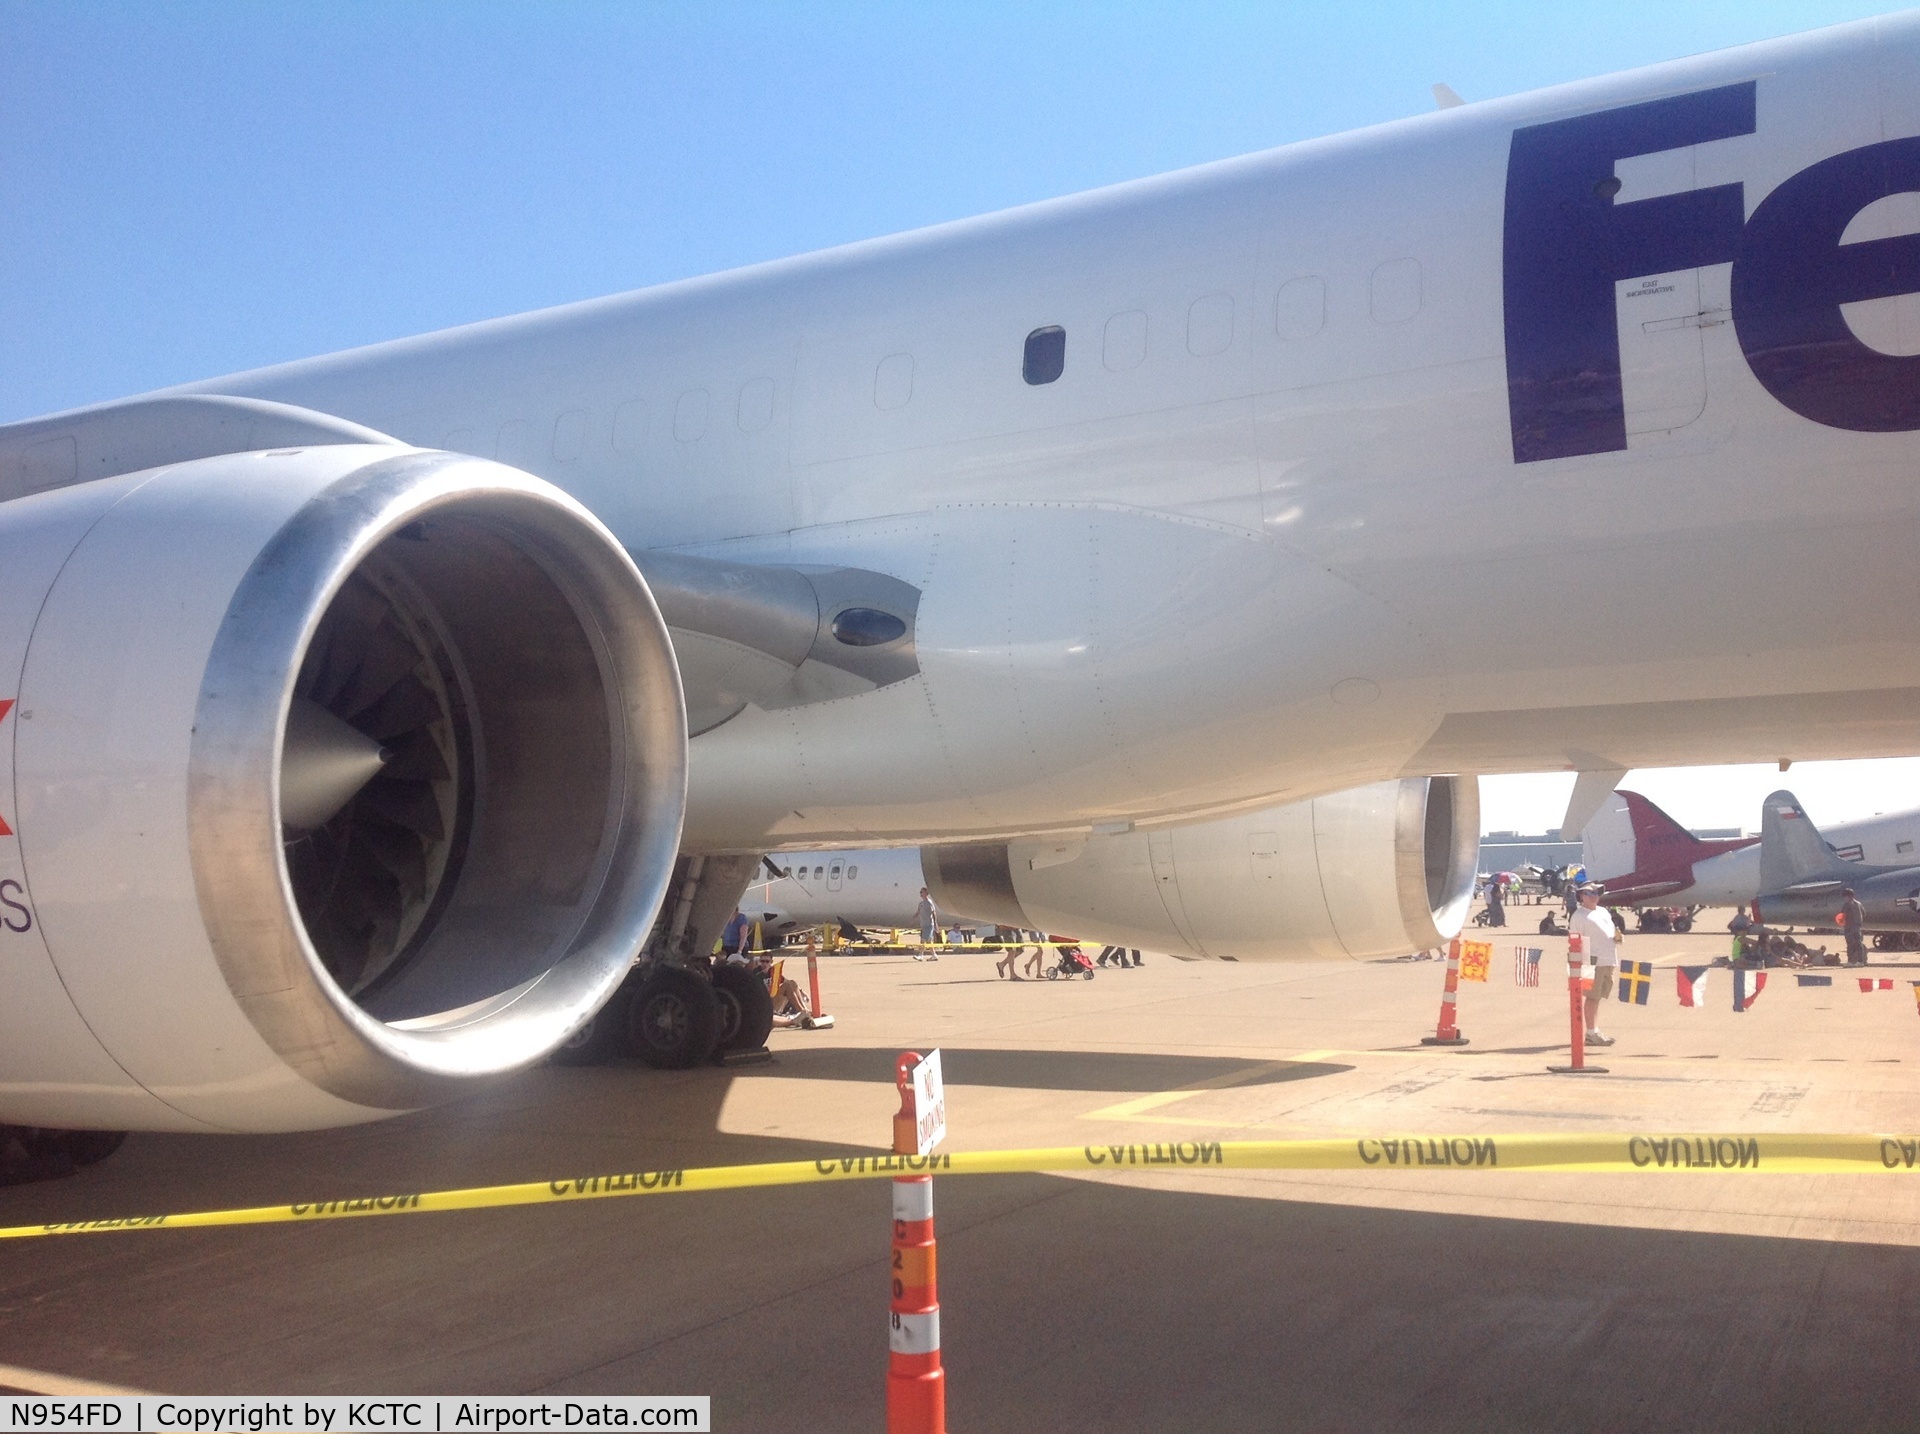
<point x="1147" y="585"/>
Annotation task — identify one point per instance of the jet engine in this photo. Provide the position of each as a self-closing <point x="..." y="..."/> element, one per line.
<point x="1376" y="871"/>
<point x="337" y="777"/>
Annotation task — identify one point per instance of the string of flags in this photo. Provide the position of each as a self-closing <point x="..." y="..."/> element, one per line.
<point x="1634" y="979"/>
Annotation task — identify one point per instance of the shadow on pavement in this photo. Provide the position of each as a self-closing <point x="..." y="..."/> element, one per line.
<point x="1065" y="1305"/>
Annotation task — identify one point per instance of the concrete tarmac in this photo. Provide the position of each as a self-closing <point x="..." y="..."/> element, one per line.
<point x="1261" y="1300"/>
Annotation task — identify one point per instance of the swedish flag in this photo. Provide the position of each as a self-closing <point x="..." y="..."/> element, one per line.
<point x="1636" y="979"/>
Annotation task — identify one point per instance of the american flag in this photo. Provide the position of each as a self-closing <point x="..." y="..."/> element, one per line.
<point x="1526" y="965"/>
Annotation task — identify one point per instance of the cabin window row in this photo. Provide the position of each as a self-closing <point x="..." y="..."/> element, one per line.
<point x="517" y="441"/>
<point x="1394" y="296"/>
<point x="819" y="873"/>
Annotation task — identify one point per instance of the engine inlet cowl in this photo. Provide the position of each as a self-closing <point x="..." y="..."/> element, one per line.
<point x="354" y="774"/>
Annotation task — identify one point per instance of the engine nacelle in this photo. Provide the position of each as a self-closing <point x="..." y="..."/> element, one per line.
<point x="1376" y="871"/>
<point x="337" y="777"/>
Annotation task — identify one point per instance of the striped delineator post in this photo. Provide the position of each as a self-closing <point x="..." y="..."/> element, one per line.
<point x="1448" y="1031"/>
<point x="819" y="1018"/>
<point x="1576" y="1006"/>
<point x="916" y="1384"/>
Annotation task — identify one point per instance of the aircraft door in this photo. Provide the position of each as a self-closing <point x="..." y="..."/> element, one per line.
<point x="834" y="871"/>
<point x="1663" y="373"/>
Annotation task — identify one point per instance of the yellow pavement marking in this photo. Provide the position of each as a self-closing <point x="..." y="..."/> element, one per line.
<point x="1131" y="1109"/>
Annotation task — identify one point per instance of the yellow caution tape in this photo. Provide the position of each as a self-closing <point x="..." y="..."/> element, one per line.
<point x="1777" y="1154"/>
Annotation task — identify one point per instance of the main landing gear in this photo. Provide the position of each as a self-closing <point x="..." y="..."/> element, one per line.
<point x="676" y="1017"/>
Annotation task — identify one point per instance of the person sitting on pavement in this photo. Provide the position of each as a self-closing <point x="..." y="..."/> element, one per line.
<point x="790" y="1004"/>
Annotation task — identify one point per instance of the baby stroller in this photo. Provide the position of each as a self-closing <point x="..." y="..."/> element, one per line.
<point x="1073" y="962"/>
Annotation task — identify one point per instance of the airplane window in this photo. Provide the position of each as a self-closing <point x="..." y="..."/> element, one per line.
<point x="690" y="415"/>
<point x="1124" y="344"/>
<point x="1300" y="308"/>
<point x="756" y="405"/>
<point x="1395" y="291"/>
<point x="1046" y="356"/>
<point x="818" y="872"/>
<point x="854" y="871"/>
<point x="1210" y="324"/>
<point x="786" y="871"/>
<point x="893" y="381"/>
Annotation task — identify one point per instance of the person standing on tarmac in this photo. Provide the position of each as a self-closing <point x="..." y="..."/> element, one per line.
<point x="929" y="918"/>
<point x="1853" y="918"/>
<point x="1496" y="903"/>
<point x="1593" y="924"/>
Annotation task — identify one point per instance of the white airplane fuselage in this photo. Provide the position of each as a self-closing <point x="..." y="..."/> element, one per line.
<point x="1335" y="484"/>
<point x="863" y="888"/>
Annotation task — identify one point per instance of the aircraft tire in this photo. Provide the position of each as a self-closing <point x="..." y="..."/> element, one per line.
<point x="602" y="1036"/>
<point x="746" y="1008"/>
<point x="674" y="1021"/>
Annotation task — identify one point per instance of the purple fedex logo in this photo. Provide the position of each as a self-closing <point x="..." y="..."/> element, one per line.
<point x="1567" y="243"/>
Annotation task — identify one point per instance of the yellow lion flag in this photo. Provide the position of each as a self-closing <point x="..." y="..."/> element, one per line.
<point x="1475" y="958"/>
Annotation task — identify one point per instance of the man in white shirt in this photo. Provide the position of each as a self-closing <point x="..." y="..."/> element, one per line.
<point x="1593" y="924"/>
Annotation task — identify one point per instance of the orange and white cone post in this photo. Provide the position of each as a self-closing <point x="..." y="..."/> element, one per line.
<point x="916" y="1384"/>
<point x="1448" y="1031"/>
<point x="817" y="1019"/>
<point x="1576" y="1007"/>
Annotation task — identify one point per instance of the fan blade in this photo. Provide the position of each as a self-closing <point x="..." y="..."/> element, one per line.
<point x="408" y="804"/>
<point x="407" y="706"/>
<point x="386" y="660"/>
<point x="416" y="757"/>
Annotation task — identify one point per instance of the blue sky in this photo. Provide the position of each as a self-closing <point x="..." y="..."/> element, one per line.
<point x="197" y="188"/>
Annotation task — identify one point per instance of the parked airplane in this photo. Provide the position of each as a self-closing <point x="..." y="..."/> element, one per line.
<point x="1801" y="879"/>
<point x="877" y="887"/>
<point x="365" y="709"/>
<point x="1643" y="856"/>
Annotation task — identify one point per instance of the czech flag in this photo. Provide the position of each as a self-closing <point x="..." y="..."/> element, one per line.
<point x="1867" y="983"/>
<point x="1635" y="980"/>
<point x="1692" y="983"/>
<point x="1747" y="986"/>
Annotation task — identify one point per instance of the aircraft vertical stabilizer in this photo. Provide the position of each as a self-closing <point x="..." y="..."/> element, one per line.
<point x="1791" y="847"/>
